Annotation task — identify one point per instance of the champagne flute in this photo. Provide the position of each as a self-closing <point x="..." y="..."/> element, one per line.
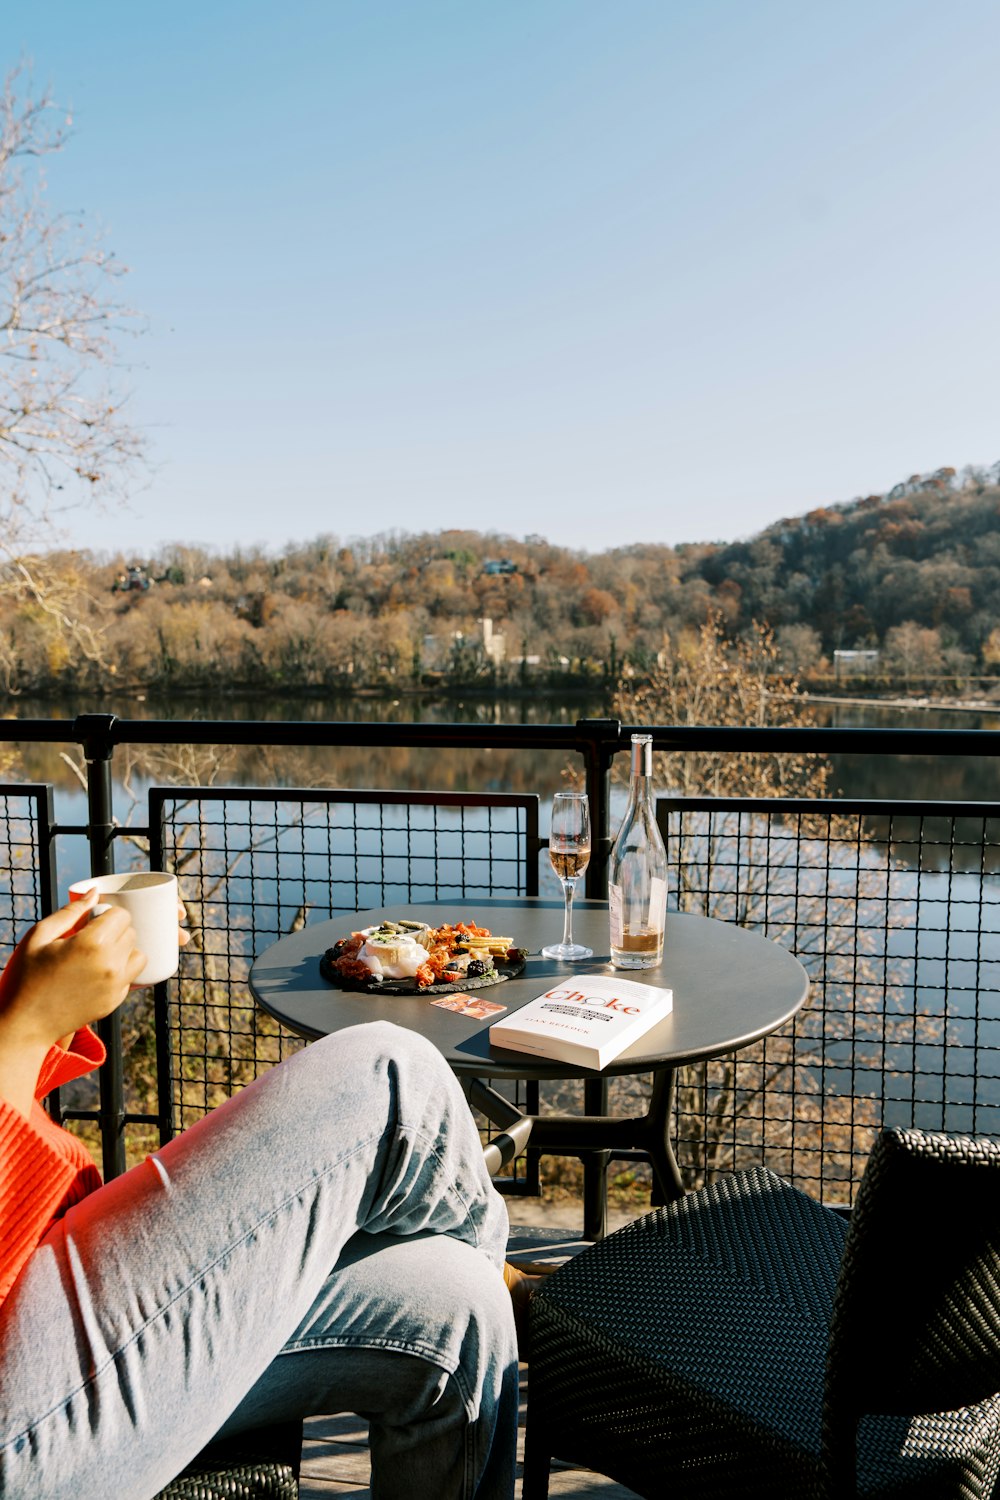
<point x="569" y="851"/>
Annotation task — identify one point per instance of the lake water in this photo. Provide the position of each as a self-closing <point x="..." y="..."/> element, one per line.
<point x="958" y="778"/>
<point x="487" y="770"/>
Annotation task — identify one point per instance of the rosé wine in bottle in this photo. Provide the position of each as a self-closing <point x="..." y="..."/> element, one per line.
<point x="637" y="871"/>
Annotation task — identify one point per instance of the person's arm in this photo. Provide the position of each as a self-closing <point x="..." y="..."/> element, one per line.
<point x="65" y="1043"/>
<point x="20" y="1064"/>
<point x="66" y="972"/>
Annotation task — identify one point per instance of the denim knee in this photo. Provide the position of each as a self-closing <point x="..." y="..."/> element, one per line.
<point x="470" y="1293"/>
<point x="371" y="1040"/>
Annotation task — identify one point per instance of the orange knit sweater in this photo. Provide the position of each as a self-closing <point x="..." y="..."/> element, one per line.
<point x="43" y="1169"/>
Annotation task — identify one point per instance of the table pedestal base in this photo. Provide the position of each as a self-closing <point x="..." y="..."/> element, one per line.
<point x="595" y="1137"/>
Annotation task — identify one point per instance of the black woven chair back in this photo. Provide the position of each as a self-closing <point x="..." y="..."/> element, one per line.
<point x="916" y="1316"/>
<point x="258" y="1465"/>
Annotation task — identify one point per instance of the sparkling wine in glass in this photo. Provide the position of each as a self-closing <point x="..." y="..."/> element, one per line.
<point x="569" y="851"/>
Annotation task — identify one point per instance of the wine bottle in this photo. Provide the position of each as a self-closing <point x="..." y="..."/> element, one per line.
<point x="637" y="873"/>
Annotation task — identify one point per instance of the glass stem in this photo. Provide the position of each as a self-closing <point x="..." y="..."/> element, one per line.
<point x="569" y="886"/>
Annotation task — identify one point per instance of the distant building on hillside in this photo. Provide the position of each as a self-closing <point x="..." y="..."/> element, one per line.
<point x="494" y="565"/>
<point x="437" y="650"/>
<point x="855" y="663"/>
<point x="135" y="580"/>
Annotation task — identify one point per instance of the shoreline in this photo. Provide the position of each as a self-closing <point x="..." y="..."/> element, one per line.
<point x="933" y="705"/>
<point x="395" y="693"/>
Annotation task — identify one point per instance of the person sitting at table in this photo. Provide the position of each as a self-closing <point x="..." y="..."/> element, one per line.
<point x="326" y="1240"/>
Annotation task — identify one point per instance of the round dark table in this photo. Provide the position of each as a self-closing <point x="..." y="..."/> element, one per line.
<point x="731" y="987"/>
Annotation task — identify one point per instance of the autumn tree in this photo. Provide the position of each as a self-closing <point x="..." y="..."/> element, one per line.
<point x="913" y="650"/>
<point x="991" y="648"/>
<point x="64" y="432"/>
<point x="800" y="649"/>
<point x="703" y="678"/>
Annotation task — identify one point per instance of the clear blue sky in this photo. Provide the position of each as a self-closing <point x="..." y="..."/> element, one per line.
<point x="603" y="270"/>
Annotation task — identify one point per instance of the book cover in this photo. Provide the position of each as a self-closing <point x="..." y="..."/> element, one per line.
<point x="587" y="1019"/>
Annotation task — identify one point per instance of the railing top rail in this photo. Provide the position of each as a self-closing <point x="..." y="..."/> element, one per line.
<point x="102" y="732"/>
<point x="820" y="741"/>
<point x="381" y="797"/>
<point x="115" y="731"/>
<point x="884" y="807"/>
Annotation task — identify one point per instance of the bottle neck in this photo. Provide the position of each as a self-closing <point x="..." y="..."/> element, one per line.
<point x="641" y="778"/>
<point x="640" y="789"/>
<point x="642" y="755"/>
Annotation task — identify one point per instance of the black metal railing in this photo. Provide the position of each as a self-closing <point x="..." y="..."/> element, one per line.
<point x="894" y="909"/>
<point x="254" y="864"/>
<point x="891" y="906"/>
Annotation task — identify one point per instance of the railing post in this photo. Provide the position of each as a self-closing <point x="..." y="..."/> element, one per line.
<point x="48" y="887"/>
<point x="161" y="997"/>
<point x="601" y="738"/>
<point x="95" y="732"/>
<point x="600" y="741"/>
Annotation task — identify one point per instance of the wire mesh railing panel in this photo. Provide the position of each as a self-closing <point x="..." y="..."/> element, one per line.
<point x="26" y="880"/>
<point x="895" y="914"/>
<point x="254" y="866"/>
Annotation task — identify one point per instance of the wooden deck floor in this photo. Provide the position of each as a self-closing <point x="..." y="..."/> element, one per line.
<point x="335" y="1453"/>
<point x="335" y="1462"/>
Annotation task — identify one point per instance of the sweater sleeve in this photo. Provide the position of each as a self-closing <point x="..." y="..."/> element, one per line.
<point x="85" y="1052"/>
<point x="41" y="1167"/>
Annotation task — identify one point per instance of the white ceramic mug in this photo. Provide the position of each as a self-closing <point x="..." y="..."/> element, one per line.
<point x="150" y="898"/>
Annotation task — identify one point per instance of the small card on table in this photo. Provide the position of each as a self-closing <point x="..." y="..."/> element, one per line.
<point x="469" y="1005"/>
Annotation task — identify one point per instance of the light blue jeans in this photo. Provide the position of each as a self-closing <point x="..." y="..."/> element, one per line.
<point x="328" y="1240"/>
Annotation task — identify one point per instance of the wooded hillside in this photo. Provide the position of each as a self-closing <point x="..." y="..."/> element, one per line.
<point x="915" y="574"/>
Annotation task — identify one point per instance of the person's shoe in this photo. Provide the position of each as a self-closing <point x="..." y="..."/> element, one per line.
<point x="521" y="1288"/>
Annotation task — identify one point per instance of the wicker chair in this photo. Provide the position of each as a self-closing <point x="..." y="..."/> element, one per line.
<point x="259" y="1465"/>
<point x="746" y="1341"/>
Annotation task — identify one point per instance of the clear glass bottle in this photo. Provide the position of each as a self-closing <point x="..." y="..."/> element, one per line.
<point x="637" y="872"/>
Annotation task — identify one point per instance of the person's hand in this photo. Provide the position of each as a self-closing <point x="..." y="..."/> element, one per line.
<point x="68" y="970"/>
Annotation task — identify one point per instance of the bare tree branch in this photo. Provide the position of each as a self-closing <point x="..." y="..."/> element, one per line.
<point x="65" y="435"/>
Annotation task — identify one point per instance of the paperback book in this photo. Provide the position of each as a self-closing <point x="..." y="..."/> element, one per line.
<point x="586" y="1020"/>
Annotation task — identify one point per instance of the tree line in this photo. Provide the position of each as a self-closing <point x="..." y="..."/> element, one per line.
<point x="914" y="574"/>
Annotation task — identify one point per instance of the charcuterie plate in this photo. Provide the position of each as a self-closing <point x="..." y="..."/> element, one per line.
<point x="412" y="958"/>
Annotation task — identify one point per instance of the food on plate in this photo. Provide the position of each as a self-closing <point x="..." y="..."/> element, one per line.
<point x="406" y="950"/>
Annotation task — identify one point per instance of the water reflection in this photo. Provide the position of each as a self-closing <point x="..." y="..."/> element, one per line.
<point x="876" y="777"/>
<point x="968" y="845"/>
<point x="438" y="769"/>
<point x="959" y="778"/>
